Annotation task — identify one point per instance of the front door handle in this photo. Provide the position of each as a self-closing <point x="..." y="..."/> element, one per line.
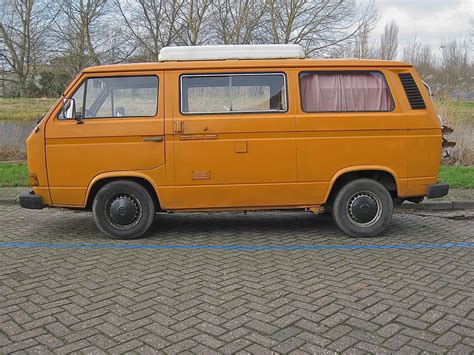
<point x="153" y="139"/>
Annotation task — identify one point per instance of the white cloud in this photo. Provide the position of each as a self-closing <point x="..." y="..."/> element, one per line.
<point x="434" y="21"/>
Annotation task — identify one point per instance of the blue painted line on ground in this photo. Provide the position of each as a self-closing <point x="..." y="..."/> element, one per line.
<point x="237" y="247"/>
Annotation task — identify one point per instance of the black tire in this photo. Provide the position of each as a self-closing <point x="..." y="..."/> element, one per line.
<point x="123" y="209"/>
<point x="363" y="208"/>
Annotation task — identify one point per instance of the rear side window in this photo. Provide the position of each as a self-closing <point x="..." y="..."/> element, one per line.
<point x="357" y="91"/>
<point x="233" y="93"/>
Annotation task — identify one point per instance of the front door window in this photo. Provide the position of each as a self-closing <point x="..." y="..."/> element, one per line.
<point x="115" y="97"/>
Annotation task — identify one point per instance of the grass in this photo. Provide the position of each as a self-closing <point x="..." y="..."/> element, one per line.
<point x="13" y="174"/>
<point x="458" y="177"/>
<point x="455" y="112"/>
<point x="24" y="109"/>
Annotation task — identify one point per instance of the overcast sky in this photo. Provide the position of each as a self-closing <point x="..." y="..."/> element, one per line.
<point x="434" y="21"/>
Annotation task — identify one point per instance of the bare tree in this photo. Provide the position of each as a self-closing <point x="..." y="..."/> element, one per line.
<point x="23" y="24"/>
<point x="362" y="46"/>
<point x="80" y="31"/>
<point x="317" y="25"/>
<point x="455" y="63"/>
<point x="119" y="47"/>
<point x="194" y="22"/>
<point x="389" y="41"/>
<point x="151" y="23"/>
<point x="3" y="78"/>
<point x="421" y="56"/>
<point x="238" y="21"/>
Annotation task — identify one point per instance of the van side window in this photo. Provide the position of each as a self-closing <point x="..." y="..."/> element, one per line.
<point x="110" y="97"/>
<point x="345" y="91"/>
<point x="233" y="93"/>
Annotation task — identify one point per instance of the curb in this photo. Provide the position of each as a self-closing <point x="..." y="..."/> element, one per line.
<point x="439" y="206"/>
<point x="8" y="200"/>
<point x="427" y="206"/>
<point x="12" y="161"/>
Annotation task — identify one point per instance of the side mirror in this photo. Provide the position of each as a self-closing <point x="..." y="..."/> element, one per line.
<point x="69" y="110"/>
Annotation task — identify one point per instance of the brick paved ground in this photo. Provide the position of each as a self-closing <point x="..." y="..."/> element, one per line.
<point x="118" y="300"/>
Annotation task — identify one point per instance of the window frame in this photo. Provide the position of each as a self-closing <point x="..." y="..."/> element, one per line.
<point x="285" y="86"/>
<point x="346" y="72"/>
<point x="84" y="82"/>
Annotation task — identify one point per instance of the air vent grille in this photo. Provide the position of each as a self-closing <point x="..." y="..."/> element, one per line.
<point x="412" y="91"/>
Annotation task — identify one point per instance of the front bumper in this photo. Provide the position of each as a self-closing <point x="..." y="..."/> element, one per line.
<point x="437" y="190"/>
<point x="31" y="201"/>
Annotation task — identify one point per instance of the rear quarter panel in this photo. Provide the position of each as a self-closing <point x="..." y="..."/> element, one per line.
<point x="424" y="143"/>
<point x="336" y="142"/>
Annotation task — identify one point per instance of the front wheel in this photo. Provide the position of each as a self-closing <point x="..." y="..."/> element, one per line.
<point x="363" y="208"/>
<point x="123" y="209"/>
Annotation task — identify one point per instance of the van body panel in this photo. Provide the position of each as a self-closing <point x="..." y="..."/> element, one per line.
<point x="332" y="143"/>
<point x="37" y="162"/>
<point x="424" y="144"/>
<point x="68" y="196"/>
<point x="418" y="186"/>
<point x="76" y="153"/>
<point x="78" y="197"/>
<point x="36" y="154"/>
<point x="400" y="182"/>
<point x="218" y="150"/>
<point x="248" y="196"/>
<point x="153" y="177"/>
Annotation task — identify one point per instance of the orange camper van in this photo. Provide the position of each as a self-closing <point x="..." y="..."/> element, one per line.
<point x="238" y="128"/>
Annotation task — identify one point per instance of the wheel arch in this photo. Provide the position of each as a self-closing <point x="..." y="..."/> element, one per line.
<point x="101" y="180"/>
<point x="382" y="174"/>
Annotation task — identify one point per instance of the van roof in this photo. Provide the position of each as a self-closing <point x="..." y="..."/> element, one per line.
<point x="247" y="64"/>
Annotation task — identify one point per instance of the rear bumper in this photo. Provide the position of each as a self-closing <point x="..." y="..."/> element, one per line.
<point x="31" y="201"/>
<point x="437" y="190"/>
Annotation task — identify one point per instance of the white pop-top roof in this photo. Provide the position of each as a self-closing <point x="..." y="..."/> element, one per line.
<point x="219" y="52"/>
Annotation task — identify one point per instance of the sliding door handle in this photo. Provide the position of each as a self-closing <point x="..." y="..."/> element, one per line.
<point x="153" y="139"/>
<point x="178" y="127"/>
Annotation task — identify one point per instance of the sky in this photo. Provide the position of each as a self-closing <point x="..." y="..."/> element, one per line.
<point x="432" y="21"/>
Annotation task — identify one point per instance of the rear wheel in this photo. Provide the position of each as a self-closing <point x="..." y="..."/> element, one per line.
<point x="123" y="209"/>
<point x="363" y="208"/>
